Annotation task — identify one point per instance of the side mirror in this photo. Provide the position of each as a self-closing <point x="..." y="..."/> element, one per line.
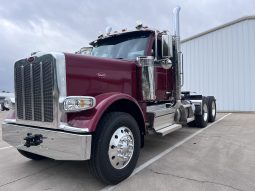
<point x="166" y="64"/>
<point x="167" y="46"/>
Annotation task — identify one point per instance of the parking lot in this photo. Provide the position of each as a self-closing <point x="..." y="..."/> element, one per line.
<point x="220" y="157"/>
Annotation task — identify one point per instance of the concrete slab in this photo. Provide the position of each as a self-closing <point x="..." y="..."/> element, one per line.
<point x="3" y="114"/>
<point x="220" y="158"/>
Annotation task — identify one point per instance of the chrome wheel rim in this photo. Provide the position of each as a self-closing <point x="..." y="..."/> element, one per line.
<point x="205" y="108"/>
<point x="213" y="109"/>
<point x="121" y="147"/>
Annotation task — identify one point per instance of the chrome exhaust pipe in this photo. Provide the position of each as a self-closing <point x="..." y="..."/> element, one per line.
<point x="176" y="21"/>
<point x="176" y="28"/>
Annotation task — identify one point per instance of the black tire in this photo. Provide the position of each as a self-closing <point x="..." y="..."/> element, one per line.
<point x="201" y="120"/>
<point x="212" y="110"/>
<point x="5" y="109"/>
<point x="31" y="156"/>
<point x="192" y="124"/>
<point x="100" y="163"/>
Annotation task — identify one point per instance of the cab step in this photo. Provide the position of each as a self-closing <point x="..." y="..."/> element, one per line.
<point x="169" y="129"/>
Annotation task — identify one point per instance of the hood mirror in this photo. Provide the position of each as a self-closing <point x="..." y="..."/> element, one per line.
<point x="85" y="50"/>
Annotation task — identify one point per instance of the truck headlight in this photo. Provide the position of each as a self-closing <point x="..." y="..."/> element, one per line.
<point x="78" y="103"/>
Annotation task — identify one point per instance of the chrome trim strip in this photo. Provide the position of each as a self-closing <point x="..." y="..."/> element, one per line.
<point x="49" y="125"/>
<point x="62" y="126"/>
<point x="156" y="45"/>
<point x="23" y="92"/>
<point x="66" y="127"/>
<point x="42" y="97"/>
<point x="61" y="82"/>
<point x="56" y="145"/>
<point x="15" y="92"/>
<point x="32" y="91"/>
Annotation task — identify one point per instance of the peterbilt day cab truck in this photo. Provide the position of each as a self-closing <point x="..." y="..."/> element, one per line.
<point x="99" y="106"/>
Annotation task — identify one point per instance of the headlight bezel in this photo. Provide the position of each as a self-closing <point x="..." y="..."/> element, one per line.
<point x="78" y="103"/>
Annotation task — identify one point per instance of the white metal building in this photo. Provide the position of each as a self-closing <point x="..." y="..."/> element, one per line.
<point x="221" y="62"/>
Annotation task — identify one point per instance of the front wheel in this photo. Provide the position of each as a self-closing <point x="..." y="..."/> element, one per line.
<point x="116" y="147"/>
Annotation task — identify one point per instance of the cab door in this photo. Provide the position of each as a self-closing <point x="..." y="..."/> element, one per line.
<point x="164" y="78"/>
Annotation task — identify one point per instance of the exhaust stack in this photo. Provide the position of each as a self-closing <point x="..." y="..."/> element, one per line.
<point x="176" y="27"/>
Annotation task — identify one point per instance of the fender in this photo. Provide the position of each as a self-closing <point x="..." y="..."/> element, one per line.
<point x="90" y="118"/>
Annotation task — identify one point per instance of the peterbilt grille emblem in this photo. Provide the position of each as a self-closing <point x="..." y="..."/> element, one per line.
<point x="101" y="75"/>
<point x="31" y="59"/>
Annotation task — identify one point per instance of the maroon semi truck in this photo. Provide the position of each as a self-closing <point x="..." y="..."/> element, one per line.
<point x="99" y="106"/>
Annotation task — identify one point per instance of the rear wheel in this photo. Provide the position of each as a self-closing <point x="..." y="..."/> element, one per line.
<point x="211" y="108"/>
<point x="192" y="124"/>
<point x="31" y="156"/>
<point x="202" y="120"/>
<point x="115" y="148"/>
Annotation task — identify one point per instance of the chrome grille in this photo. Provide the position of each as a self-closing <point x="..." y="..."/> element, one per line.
<point x="37" y="93"/>
<point x="34" y="85"/>
<point x="19" y="92"/>
<point x="48" y="92"/>
<point x="27" y="92"/>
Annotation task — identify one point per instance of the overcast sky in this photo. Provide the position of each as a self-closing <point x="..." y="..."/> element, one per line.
<point x="54" y="25"/>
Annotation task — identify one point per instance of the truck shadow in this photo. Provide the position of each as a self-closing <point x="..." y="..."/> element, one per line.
<point x="62" y="175"/>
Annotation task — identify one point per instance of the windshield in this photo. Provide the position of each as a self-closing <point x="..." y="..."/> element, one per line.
<point x="126" y="46"/>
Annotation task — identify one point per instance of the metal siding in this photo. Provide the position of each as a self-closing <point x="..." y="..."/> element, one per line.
<point x="222" y="63"/>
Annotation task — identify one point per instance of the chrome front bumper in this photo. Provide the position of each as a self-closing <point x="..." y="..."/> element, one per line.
<point x="55" y="144"/>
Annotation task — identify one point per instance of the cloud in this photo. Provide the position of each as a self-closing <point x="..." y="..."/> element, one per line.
<point x="57" y="25"/>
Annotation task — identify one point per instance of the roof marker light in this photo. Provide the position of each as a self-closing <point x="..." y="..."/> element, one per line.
<point x="108" y="30"/>
<point x="139" y="25"/>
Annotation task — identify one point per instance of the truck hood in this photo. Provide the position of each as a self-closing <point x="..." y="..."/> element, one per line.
<point x="91" y="76"/>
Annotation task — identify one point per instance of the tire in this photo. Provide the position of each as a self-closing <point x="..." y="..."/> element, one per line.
<point x="112" y="129"/>
<point x="212" y="111"/>
<point x="192" y="124"/>
<point x="201" y="121"/>
<point x="31" y="156"/>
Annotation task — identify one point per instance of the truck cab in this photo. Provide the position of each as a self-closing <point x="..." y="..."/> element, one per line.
<point x="135" y="45"/>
